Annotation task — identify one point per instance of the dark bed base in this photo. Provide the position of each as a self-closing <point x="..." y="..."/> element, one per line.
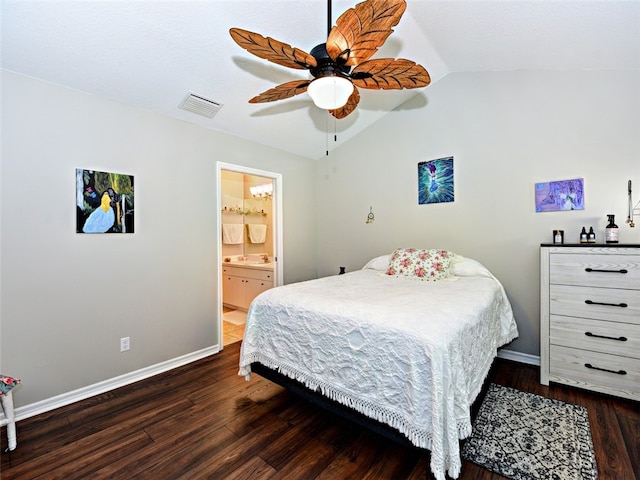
<point x="332" y="406"/>
<point x="343" y="411"/>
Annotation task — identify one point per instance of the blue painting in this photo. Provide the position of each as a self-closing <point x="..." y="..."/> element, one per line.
<point x="435" y="181"/>
<point x="560" y="195"/>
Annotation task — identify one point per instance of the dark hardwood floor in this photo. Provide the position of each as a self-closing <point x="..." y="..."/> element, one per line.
<point x="203" y="421"/>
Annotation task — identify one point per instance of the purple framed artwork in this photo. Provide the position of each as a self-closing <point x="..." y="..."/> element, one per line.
<point x="560" y="195"/>
<point x="435" y="181"/>
<point x="104" y="202"/>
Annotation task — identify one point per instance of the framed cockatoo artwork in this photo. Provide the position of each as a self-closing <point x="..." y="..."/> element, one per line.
<point x="104" y="202"/>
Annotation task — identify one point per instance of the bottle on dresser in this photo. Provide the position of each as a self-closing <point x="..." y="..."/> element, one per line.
<point x="611" y="230"/>
<point x="584" y="236"/>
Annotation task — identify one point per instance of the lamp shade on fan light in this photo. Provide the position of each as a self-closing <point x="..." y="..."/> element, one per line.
<point x="330" y="92"/>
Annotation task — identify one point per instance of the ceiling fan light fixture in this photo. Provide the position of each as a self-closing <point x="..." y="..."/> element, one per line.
<point x="330" y="92"/>
<point x="355" y="37"/>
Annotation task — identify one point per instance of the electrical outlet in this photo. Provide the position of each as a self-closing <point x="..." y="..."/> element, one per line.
<point x="125" y="344"/>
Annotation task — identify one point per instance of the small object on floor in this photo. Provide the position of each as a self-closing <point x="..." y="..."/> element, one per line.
<point x="525" y="436"/>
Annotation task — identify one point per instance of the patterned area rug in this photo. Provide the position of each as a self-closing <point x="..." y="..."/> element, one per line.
<point x="528" y="437"/>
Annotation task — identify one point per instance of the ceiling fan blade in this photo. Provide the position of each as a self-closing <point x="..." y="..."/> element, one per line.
<point x="272" y="50"/>
<point x="286" y="90"/>
<point x="348" y="107"/>
<point x="389" y="73"/>
<point x="361" y="30"/>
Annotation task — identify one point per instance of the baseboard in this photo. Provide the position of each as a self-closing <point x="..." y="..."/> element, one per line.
<point x="68" y="398"/>
<point x="43" y="406"/>
<point x="519" y="357"/>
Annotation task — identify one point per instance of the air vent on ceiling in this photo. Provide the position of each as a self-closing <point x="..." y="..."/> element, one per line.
<point x="200" y="105"/>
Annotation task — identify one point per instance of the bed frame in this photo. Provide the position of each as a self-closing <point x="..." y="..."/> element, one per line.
<point x="316" y="398"/>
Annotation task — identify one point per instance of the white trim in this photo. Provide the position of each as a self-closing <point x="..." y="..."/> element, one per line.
<point x="519" y="357"/>
<point x="277" y="230"/>
<point x="73" y="396"/>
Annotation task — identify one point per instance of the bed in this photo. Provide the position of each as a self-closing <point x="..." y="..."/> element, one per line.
<point x="406" y="341"/>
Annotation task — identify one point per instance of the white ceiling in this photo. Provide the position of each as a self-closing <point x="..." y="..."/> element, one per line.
<point x="151" y="54"/>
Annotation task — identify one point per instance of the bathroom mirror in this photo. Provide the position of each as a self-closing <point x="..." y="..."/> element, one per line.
<point x="247" y="215"/>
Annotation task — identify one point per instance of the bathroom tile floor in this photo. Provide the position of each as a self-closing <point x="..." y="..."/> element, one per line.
<point x="231" y="332"/>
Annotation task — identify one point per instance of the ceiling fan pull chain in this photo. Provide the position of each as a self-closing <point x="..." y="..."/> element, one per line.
<point x="326" y="132"/>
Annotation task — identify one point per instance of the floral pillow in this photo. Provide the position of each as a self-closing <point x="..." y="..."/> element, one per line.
<point x="430" y="265"/>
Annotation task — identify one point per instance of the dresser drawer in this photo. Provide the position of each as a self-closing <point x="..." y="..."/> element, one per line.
<point x="604" y="337"/>
<point x="595" y="270"/>
<point x="604" y="373"/>
<point x="612" y="304"/>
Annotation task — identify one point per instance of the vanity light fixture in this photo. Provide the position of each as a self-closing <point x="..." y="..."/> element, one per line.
<point x="262" y="191"/>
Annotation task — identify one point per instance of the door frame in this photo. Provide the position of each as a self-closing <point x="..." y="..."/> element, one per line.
<point x="276" y="199"/>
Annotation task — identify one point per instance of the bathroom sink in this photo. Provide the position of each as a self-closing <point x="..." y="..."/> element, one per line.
<point x="248" y="263"/>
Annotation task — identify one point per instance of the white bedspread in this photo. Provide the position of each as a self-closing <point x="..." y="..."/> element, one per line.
<point x="408" y="353"/>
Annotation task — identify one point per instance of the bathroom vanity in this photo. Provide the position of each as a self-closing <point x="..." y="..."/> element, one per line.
<point x="243" y="280"/>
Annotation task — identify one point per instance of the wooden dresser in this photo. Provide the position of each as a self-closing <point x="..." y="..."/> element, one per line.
<point x="590" y="317"/>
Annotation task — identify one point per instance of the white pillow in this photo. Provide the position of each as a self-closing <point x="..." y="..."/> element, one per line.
<point x="467" y="267"/>
<point x="378" y="263"/>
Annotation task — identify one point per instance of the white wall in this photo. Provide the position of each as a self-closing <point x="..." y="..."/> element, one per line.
<point x="67" y="298"/>
<point x="506" y="131"/>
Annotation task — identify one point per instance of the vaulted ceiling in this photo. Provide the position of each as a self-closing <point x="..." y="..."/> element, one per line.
<point x="152" y="54"/>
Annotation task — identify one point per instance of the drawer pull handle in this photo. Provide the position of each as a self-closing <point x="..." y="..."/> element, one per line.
<point x="605" y="271"/>
<point x="620" y="339"/>
<point x="619" y="372"/>
<point x="621" y="305"/>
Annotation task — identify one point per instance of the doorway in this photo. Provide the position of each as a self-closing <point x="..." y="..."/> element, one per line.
<point x="249" y="232"/>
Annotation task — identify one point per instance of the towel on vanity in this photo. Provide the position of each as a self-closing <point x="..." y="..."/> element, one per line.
<point x="257" y="233"/>
<point x="232" y="233"/>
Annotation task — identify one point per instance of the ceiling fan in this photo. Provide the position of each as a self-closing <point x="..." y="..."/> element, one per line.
<point x="357" y="35"/>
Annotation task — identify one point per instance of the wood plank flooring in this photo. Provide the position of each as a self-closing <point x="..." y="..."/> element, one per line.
<point x="203" y="421"/>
